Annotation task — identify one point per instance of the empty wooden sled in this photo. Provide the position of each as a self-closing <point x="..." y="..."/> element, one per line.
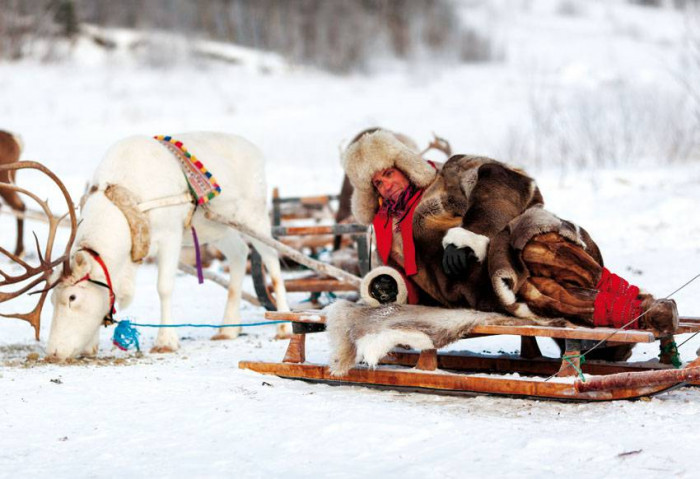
<point x="527" y="375"/>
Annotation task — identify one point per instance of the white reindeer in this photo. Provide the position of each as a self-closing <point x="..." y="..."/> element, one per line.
<point x="150" y="172"/>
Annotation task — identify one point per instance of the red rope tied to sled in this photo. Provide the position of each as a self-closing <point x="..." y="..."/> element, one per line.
<point x="616" y="303"/>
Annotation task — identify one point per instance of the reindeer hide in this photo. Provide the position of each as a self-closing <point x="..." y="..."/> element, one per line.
<point x="359" y="332"/>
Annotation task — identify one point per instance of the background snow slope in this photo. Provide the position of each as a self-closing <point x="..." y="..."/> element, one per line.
<point x="194" y="413"/>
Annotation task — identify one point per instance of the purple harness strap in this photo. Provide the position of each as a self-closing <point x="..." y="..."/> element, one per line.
<point x="200" y="274"/>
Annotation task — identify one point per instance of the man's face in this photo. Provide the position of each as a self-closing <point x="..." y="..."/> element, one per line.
<point x="390" y="183"/>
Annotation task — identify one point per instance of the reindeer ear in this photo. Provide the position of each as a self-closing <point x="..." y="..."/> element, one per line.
<point x="81" y="265"/>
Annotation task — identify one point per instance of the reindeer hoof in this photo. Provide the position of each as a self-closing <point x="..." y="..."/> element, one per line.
<point x="53" y="359"/>
<point x="284" y="331"/>
<point x="163" y="349"/>
<point x="224" y="336"/>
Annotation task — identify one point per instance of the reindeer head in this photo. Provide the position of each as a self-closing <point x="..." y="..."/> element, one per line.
<point x="80" y="303"/>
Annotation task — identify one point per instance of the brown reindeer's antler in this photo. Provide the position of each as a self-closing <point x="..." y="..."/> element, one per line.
<point x="440" y="144"/>
<point x="42" y="272"/>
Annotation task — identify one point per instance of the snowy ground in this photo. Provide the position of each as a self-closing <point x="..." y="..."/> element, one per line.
<point x="194" y="413"/>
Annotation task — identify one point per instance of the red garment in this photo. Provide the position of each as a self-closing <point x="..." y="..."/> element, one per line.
<point x="384" y="231"/>
<point x="616" y="304"/>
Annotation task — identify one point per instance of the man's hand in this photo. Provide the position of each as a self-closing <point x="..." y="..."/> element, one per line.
<point x="458" y="261"/>
<point x="463" y="249"/>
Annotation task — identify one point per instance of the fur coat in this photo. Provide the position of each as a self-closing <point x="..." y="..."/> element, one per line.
<point x="469" y="201"/>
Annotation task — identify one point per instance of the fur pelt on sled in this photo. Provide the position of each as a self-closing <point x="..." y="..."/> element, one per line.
<point x="361" y="333"/>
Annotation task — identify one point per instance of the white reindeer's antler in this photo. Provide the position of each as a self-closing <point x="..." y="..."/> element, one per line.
<point x="42" y="271"/>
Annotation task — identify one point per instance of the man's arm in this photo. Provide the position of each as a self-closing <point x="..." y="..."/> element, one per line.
<point x="492" y="194"/>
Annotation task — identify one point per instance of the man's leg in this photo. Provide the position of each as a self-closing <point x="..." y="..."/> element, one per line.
<point x="566" y="281"/>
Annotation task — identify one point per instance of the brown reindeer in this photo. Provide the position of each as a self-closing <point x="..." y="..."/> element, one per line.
<point x="10" y="149"/>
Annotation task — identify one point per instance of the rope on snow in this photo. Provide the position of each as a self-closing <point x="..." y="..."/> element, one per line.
<point x="126" y="335"/>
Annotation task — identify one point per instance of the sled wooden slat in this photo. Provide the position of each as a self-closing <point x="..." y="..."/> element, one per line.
<point x="309" y="316"/>
<point x="447" y="382"/>
<point x="317" y="285"/>
<point x="596" y="334"/>
<point x="307" y="200"/>
<point x="319" y="230"/>
<point x="543" y="366"/>
<point x="688" y="325"/>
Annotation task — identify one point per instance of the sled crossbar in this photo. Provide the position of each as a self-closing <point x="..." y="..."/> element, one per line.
<point x="594" y="334"/>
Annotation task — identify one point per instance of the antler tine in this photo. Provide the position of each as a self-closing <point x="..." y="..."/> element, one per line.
<point x="38" y="248"/>
<point x="46" y="264"/>
<point x="439" y="144"/>
<point x="14" y="258"/>
<point x="34" y="316"/>
<point x="7" y="296"/>
<point x="53" y="226"/>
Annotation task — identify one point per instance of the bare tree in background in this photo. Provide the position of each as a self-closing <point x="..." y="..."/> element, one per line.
<point x="340" y="36"/>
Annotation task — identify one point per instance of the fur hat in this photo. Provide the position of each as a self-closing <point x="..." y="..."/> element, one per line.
<point x="375" y="152"/>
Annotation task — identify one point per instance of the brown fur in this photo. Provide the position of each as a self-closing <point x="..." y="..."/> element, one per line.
<point x="478" y="194"/>
<point x="10" y="151"/>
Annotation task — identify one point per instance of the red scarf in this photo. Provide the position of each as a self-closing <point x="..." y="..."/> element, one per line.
<point x="383" y="228"/>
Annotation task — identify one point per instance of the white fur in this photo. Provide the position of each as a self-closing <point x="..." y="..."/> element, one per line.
<point x="522" y="310"/>
<point x="401" y="298"/>
<point x="462" y="238"/>
<point x="373" y="347"/>
<point x="147" y="169"/>
<point x="501" y="288"/>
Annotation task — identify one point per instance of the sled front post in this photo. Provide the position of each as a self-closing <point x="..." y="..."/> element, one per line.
<point x="571" y="359"/>
<point x="427" y="360"/>
<point x="296" y="351"/>
<point x="529" y="348"/>
<point x="666" y="354"/>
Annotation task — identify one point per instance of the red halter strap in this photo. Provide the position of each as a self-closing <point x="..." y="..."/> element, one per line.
<point x="109" y="318"/>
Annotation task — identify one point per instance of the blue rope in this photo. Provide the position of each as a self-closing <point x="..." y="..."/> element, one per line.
<point x="126" y="336"/>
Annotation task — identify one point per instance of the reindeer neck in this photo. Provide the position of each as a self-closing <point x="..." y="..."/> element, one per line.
<point x="104" y="230"/>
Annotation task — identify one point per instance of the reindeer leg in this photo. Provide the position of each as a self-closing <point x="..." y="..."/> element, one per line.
<point x="19" y="249"/>
<point x="236" y="251"/>
<point x="272" y="264"/>
<point x="18" y="205"/>
<point x="168" y="257"/>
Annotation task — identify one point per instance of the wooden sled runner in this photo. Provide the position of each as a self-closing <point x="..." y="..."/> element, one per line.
<point x="469" y="373"/>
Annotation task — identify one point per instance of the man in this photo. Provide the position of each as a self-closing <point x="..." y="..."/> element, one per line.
<point x="473" y="233"/>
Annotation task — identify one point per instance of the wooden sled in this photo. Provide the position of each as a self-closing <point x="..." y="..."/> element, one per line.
<point x="469" y="373"/>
